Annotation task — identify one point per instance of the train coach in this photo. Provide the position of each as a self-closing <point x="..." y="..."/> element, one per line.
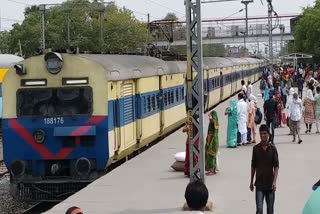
<point x="67" y="117"/>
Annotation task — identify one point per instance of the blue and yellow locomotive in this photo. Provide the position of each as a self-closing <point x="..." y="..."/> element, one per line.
<point x="66" y="117"/>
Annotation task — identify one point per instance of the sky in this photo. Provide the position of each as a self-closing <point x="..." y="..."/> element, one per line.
<point x="12" y="10"/>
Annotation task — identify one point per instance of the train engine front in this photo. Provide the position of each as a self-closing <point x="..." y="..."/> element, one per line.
<point x="54" y="125"/>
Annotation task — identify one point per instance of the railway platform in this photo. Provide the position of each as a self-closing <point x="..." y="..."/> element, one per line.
<point x="146" y="184"/>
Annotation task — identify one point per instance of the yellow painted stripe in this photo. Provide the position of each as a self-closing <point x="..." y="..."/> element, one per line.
<point x="3" y="72"/>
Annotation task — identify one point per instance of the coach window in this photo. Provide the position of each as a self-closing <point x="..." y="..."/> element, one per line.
<point x="144" y="104"/>
<point x="153" y="100"/>
<point x="172" y="96"/>
<point x="158" y="101"/>
<point x="54" y="101"/>
<point x="148" y="103"/>
<point x="177" y="94"/>
<point x="165" y="99"/>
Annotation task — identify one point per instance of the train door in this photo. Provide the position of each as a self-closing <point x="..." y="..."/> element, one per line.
<point x="127" y="106"/>
<point x="116" y="118"/>
<point x="161" y="103"/>
<point x="221" y="86"/>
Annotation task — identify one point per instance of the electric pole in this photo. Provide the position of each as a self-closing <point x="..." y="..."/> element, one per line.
<point x="270" y="10"/>
<point x="68" y="11"/>
<point x="42" y="9"/>
<point x="195" y="99"/>
<point x="101" y="17"/>
<point x="246" y="2"/>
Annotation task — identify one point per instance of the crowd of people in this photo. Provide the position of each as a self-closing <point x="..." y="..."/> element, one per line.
<point x="283" y="106"/>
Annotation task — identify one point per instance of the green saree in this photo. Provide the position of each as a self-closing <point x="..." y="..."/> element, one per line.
<point x="231" y="111"/>
<point x="212" y="142"/>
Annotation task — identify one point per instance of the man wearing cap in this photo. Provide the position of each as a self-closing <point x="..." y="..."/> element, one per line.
<point x="265" y="166"/>
<point x="270" y="112"/>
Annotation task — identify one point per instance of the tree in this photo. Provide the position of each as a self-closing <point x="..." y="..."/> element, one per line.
<point x="306" y="32"/>
<point x="121" y="30"/>
<point x="4" y="41"/>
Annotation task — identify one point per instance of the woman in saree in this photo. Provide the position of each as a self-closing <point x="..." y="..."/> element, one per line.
<point x="231" y="111"/>
<point x="187" y="159"/>
<point x="212" y="144"/>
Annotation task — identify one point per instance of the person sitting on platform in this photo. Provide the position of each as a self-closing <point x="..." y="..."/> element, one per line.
<point x="196" y="195"/>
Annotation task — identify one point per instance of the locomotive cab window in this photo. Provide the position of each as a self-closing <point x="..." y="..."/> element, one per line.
<point x="54" y="101"/>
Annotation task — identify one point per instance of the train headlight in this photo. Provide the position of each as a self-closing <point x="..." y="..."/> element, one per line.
<point x="83" y="166"/>
<point x="39" y="136"/>
<point x="54" y="62"/>
<point x="18" y="168"/>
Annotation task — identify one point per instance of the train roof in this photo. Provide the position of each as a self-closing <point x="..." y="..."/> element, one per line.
<point x="7" y="60"/>
<point x="122" y="67"/>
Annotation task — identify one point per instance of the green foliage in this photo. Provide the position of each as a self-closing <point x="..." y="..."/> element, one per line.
<point x="121" y="30"/>
<point x="4" y="41"/>
<point x="307" y="30"/>
<point x="171" y="17"/>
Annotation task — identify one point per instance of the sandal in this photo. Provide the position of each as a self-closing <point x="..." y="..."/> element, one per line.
<point x="211" y="173"/>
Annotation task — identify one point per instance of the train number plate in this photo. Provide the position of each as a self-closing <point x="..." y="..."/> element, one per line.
<point x="53" y="120"/>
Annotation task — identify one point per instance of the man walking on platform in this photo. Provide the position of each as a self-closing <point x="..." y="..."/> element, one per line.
<point x="270" y="112"/>
<point x="295" y="110"/>
<point x="242" y="113"/>
<point x="265" y="165"/>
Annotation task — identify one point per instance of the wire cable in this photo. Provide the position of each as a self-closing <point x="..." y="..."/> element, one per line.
<point x="18" y="2"/>
<point x="168" y="8"/>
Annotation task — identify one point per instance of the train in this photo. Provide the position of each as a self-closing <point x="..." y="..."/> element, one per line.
<point x="68" y="117"/>
<point x="6" y="61"/>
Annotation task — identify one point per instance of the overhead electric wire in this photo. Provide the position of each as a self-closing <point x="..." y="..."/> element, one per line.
<point x="12" y="20"/>
<point x="168" y="8"/>
<point x="18" y="2"/>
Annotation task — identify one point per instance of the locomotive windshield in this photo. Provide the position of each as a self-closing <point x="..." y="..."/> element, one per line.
<point x="54" y="101"/>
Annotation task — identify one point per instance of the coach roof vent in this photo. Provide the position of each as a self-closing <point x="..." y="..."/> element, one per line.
<point x="54" y="62"/>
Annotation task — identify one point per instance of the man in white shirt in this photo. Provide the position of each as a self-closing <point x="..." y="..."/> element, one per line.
<point x="295" y="109"/>
<point x="242" y="110"/>
<point x="244" y="87"/>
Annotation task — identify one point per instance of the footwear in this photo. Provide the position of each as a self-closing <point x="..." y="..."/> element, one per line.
<point x="306" y="131"/>
<point x="254" y="142"/>
<point x="239" y="144"/>
<point x="294" y="140"/>
<point x="300" y="141"/>
<point x="211" y="173"/>
<point x="317" y="132"/>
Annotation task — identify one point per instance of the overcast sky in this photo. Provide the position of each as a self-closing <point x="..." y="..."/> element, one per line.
<point x="159" y="8"/>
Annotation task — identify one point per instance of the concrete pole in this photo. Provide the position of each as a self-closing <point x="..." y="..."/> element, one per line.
<point x="42" y="9"/>
<point x="246" y="2"/>
<point x="68" y="26"/>
<point x="270" y="10"/>
<point x="148" y="36"/>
